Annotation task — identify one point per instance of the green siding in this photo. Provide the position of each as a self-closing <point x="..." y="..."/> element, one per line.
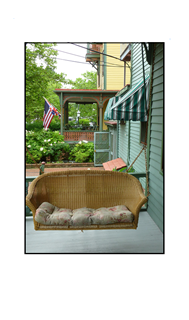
<point x="155" y="201"/>
<point x="123" y="141"/>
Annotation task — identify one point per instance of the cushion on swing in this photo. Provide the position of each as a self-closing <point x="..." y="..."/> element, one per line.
<point x="81" y="217"/>
<point x="112" y="215"/>
<point x="52" y="215"/>
<point x="49" y="214"/>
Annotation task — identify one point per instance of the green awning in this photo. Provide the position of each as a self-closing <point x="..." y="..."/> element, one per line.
<point x="131" y="106"/>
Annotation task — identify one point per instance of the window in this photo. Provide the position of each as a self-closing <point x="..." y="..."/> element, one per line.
<point x="143" y="133"/>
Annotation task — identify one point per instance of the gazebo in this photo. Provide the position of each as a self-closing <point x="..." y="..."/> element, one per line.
<point x="81" y="96"/>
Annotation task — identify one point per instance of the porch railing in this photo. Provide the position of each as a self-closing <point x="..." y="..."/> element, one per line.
<point x="78" y="135"/>
<point x="138" y="175"/>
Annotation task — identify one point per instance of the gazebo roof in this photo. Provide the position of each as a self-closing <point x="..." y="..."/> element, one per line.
<point x="83" y="96"/>
<point x="85" y="90"/>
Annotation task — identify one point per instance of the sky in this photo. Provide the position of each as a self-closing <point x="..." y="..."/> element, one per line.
<point x="72" y="69"/>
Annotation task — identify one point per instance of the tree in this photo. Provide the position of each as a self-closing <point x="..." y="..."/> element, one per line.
<point x="88" y="81"/>
<point x="40" y="77"/>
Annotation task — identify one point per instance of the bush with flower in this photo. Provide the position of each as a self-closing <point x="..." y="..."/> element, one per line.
<point x="42" y="144"/>
<point x="82" y="152"/>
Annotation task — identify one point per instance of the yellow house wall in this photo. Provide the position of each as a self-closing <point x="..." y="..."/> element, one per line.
<point x="114" y="75"/>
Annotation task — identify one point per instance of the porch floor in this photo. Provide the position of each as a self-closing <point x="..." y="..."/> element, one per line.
<point x="147" y="238"/>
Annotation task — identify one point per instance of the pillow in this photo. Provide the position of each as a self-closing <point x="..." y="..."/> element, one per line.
<point x="43" y="212"/>
<point x="60" y="216"/>
<point x="52" y="215"/>
<point x="111" y="215"/>
<point x="81" y="217"/>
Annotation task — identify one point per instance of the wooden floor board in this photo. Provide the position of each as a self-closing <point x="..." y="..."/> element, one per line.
<point x="147" y="238"/>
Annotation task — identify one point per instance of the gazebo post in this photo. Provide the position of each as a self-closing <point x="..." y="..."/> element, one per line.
<point x="61" y="108"/>
<point x="100" y="113"/>
<point x="65" y="113"/>
<point x="100" y="118"/>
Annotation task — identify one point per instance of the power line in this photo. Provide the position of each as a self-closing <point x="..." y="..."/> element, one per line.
<point x="99" y="53"/>
<point x="83" y="57"/>
<point x="106" y="65"/>
<point x="68" y="53"/>
<point x="96" y="51"/>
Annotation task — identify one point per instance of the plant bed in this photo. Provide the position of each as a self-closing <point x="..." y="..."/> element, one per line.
<point x="61" y="165"/>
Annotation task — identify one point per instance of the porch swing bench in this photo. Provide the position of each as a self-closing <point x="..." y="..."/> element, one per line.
<point x="85" y="200"/>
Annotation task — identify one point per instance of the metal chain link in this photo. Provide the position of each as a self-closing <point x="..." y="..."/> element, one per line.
<point x="34" y="160"/>
<point x="135" y="159"/>
<point x="145" y="146"/>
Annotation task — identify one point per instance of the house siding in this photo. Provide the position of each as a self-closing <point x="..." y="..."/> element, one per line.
<point x="115" y="75"/>
<point x="155" y="201"/>
<point x="123" y="141"/>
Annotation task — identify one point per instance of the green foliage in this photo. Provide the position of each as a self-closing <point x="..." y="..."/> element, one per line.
<point x="41" y="78"/>
<point x="88" y="81"/>
<point x="44" y="143"/>
<point x="82" y="152"/>
<point x="89" y="111"/>
<point x="57" y="149"/>
<point x="84" y="122"/>
<point x="34" y="125"/>
<point x="38" y="125"/>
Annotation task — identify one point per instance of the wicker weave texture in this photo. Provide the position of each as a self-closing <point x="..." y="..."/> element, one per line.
<point x="85" y="188"/>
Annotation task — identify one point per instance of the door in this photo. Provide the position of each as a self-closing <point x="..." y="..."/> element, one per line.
<point x="101" y="148"/>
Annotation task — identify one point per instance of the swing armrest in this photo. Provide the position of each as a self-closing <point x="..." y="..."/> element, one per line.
<point x="29" y="203"/>
<point x="136" y="199"/>
<point x="31" y="199"/>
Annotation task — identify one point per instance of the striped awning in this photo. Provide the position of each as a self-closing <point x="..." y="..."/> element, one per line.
<point x="131" y="106"/>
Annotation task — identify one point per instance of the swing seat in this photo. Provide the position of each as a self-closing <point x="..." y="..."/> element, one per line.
<point x="85" y="200"/>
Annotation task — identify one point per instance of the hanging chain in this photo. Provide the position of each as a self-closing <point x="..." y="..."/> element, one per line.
<point x="145" y="145"/>
<point x="34" y="160"/>
<point x="147" y="180"/>
<point x="135" y="159"/>
<point x="149" y="104"/>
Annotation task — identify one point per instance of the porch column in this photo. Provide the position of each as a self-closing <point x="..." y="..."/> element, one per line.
<point x="65" y="113"/>
<point x="61" y="108"/>
<point x="100" y="114"/>
<point x="100" y="118"/>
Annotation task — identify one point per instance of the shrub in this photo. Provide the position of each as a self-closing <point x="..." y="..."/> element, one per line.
<point x="82" y="152"/>
<point x="43" y="143"/>
<point x="35" y="125"/>
<point x="38" y="125"/>
<point x="84" y="122"/>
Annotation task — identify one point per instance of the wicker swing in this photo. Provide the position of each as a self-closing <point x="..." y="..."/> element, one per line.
<point x="90" y="189"/>
<point x="86" y="189"/>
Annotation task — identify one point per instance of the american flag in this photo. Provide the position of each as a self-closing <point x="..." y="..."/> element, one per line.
<point x="49" y="112"/>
